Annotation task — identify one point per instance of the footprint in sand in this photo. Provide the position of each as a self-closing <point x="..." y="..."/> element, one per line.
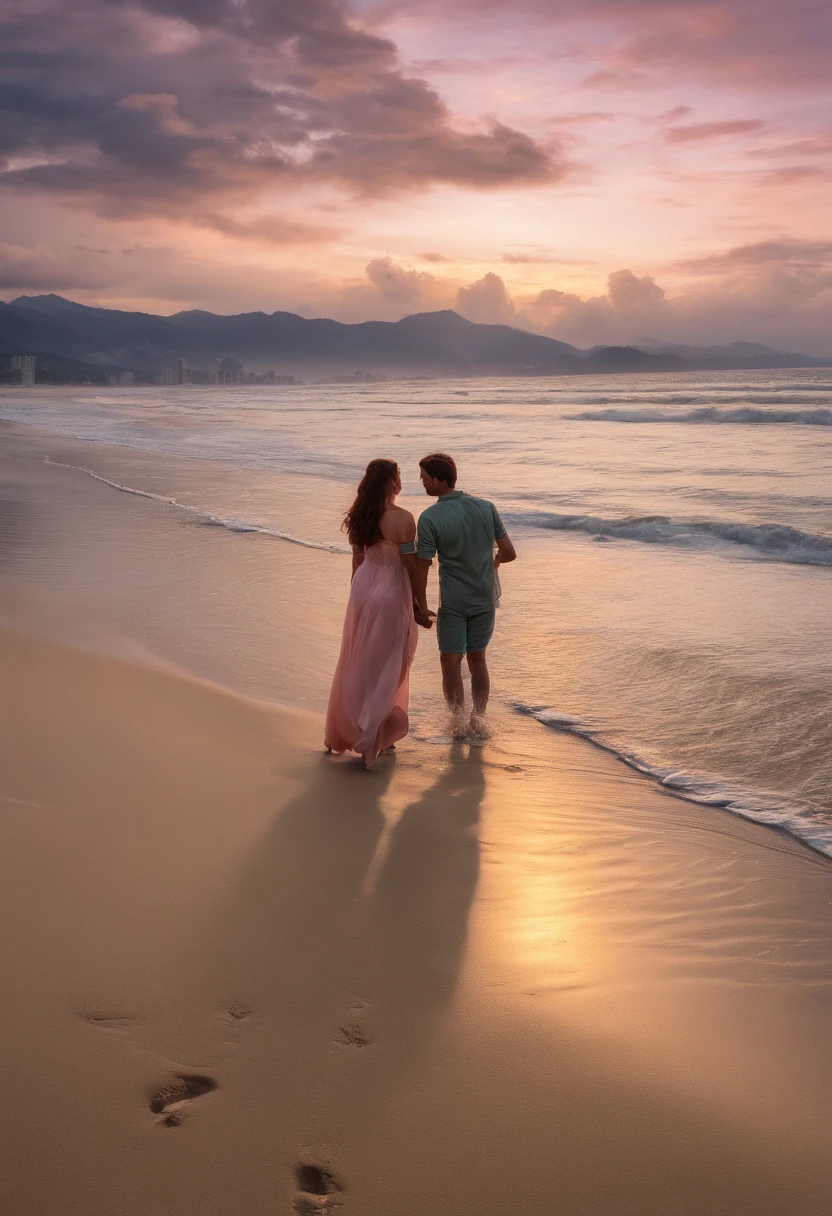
<point x="173" y="1098"/>
<point x="318" y="1190"/>
<point x="351" y="1032"/>
<point x="110" y="1019"/>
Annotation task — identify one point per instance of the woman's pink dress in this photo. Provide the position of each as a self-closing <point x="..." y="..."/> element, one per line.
<point x="370" y="690"/>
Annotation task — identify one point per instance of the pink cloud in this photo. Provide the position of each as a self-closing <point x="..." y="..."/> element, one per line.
<point x="487" y="301"/>
<point x="713" y="130"/>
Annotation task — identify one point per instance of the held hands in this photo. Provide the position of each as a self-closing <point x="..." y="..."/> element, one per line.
<point x="425" y="619"/>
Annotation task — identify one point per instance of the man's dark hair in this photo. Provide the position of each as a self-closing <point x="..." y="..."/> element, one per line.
<point x="441" y="466"/>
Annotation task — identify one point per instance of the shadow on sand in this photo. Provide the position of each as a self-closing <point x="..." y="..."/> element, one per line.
<point x="328" y="949"/>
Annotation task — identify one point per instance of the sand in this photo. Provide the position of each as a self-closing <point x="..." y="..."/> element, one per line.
<point x="454" y="986"/>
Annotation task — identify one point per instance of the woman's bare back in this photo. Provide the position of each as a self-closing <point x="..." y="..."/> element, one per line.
<point x="398" y="526"/>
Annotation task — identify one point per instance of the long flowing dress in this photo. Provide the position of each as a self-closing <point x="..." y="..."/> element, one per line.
<point x="370" y="690"/>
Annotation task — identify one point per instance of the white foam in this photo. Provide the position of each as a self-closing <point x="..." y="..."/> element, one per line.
<point x="747" y="415"/>
<point x="774" y="541"/>
<point x="207" y="517"/>
<point x="799" y="819"/>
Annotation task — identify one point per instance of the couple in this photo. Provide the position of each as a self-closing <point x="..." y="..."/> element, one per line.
<point x="388" y="599"/>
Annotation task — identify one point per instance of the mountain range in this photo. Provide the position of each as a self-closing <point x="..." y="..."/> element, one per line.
<point x="89" y="342"/>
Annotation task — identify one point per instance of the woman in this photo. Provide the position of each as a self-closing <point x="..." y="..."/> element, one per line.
<point x="368" y="703"/>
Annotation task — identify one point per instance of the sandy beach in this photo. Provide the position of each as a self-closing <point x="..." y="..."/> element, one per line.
<point x="456" y="377"/>
<point x="247" y="977"/>
<point x="446" y="986"/>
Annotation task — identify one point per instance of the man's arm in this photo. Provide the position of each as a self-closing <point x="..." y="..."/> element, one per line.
<point x="505" y="551"/>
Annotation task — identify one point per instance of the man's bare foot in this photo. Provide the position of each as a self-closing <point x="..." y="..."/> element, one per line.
<point x="459" y="727"/>
<point x="479" y="727"/>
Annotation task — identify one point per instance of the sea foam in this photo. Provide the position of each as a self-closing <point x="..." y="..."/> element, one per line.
<point x="775" y="541"/>
<point x="799" y="819"/>
<point x="206" y="517"/>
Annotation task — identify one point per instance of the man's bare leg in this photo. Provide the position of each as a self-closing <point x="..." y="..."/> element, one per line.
<point x="480" y="688"/>
<point x="452" y="681"/>
<point x="480" y="681"/>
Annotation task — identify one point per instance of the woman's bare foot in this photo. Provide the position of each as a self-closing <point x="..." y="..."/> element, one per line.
<point x="385" y="751"/>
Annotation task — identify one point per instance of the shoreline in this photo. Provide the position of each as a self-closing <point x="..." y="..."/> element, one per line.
<point x="153" y="473"/>
<point x="453" y="984"/>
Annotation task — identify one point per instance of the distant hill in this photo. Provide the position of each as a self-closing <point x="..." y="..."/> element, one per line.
<point x="56" y="369"/>
<point x="432" y="343"/>
<point x="735" y="355"/>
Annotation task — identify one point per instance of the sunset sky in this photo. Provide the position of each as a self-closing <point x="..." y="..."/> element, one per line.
<point x="601" y="171"/>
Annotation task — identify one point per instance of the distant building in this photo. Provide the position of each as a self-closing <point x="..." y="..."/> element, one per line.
<point x="169" y="376"/>
<point x="229" y="370"/>
<point x="126" y="379"/>
<point x="26" y="365"/>
<point x="362" y="378"/>
<point x="181" y="371"/>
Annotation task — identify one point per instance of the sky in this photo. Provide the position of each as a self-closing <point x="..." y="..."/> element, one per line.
<point x="602" y="171"/>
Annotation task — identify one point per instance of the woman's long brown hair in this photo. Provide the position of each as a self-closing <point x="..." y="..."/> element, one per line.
<point x="362" y="522"/>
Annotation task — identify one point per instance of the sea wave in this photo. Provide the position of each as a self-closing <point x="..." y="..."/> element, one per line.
<point x="778" y="542"/>
<point x="799" y="819"/>
<point x="205" y="517"/>
<point x="749" y="415"/>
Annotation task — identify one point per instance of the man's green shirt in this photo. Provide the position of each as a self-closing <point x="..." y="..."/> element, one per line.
<point x="462" y="530"/>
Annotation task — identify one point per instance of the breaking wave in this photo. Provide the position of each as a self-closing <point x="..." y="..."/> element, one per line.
<point x="799" y="819"/>
<point x="747" y="415"/>
<point x="778" y="542"/>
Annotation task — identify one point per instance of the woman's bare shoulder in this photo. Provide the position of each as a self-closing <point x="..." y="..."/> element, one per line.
<point x="397" y="525"/>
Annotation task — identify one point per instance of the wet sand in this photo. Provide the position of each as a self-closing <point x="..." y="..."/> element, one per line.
<point x="244" y="977"/>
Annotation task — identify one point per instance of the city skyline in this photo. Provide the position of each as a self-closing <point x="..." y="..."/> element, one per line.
<point x="603" y="173"/>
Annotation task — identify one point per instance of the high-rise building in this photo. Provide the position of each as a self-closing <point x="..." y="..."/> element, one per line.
<point x="170" y="376"/>
<point x="229" y="370"/>
<point x="127" y="379"/>
<point x="181" y="371"/>
<point x="27" y="366"/>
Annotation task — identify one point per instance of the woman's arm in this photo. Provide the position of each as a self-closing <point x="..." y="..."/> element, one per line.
<point x="357" y="558"/>
<point x="405" y="534"/>
<point x="417" y="572"/>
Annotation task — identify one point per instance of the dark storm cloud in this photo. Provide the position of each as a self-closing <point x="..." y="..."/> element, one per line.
<point x="165" y="105"/>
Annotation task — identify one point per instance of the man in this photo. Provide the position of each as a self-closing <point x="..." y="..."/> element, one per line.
<point x="462" y="531"/>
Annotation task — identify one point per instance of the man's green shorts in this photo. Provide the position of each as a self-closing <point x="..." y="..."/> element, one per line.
<point x="459" y="633"/>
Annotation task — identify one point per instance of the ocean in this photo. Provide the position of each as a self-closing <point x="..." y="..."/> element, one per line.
<point x="671" y="602"/>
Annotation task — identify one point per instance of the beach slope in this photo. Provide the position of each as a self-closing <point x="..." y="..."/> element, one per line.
<point x="245" y="977"/>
